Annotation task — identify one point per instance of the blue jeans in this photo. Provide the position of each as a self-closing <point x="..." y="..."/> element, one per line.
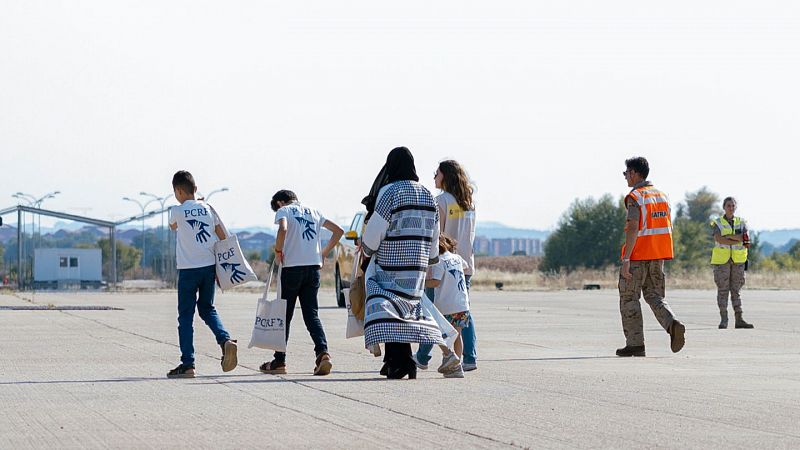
<point x="303" y="282"/>
<point x="467" y="336"/>
<point x="192" y="282"/>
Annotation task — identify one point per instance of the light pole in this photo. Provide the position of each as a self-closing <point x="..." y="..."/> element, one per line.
<point x="214" y="192"/>
<point x="36" y="203"/>
<point x="142" y="206"/>
<point x="162" y="201"/>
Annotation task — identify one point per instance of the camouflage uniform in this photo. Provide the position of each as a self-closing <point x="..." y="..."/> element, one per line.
<point x="648" y="279"/>
<point x="729" y="278"/>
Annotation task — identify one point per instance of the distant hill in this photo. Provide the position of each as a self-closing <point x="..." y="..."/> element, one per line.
<point x="779" y="238"/>
<point x="496" y="230"/>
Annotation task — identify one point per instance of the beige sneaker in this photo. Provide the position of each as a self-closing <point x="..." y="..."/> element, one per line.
<point x="324" y="364"/>
<point x="229" y="358"/>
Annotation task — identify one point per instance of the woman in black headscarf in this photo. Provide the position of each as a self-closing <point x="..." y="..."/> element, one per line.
<point x="400" y="238"/>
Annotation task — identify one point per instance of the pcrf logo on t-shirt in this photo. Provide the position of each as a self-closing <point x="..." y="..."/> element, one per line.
<point x="304" y="217"/>
<point x="454" y="268"/>
<point x="195" y="228"/>
<point x="197" y="219"/>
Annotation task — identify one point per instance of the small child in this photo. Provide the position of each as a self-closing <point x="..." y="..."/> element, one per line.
<point x="451" y="298"/>
<point x="197" y="229"/>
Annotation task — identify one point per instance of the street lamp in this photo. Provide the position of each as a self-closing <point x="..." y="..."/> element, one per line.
<point x="162" y="201"/>
<point x="214" y="192"/>
<point x="35" y="203"/>
<point x="142" y="206"/>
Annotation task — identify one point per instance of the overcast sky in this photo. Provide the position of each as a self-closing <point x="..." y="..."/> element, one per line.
<point x="541" y="101"/>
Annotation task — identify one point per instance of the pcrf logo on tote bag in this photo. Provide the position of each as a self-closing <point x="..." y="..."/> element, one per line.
<point x="269" y="329"/>
<point x="231" y="266"/>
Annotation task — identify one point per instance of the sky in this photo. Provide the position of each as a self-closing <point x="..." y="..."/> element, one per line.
<point x="541" y="101"/>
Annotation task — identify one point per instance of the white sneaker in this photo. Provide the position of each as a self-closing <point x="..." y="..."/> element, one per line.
<point x="420" y="366"/>
<point x="449" y="362"/>
<point x="470" y="366"/>
<point x="456" y="372"/>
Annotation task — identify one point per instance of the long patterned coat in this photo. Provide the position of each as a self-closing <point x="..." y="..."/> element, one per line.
<point x="403" y="239"/>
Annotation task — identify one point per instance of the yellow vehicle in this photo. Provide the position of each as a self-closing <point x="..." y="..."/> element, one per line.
<point x="346" y="255"/>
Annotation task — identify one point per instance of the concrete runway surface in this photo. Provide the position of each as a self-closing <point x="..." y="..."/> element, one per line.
<point x="547" y="378"/>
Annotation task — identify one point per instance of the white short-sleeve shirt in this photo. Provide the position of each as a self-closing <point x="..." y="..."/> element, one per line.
<point x="451" y="296"/>
<point x="459" y="225"/>
<point x="302" y="246"/>
<point x="194" y="246"/>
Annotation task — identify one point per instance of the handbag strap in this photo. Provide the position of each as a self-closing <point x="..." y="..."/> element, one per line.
<point x="219" y="220"/>
<point x="356" y="268"/>
<point x="269" y="280"/>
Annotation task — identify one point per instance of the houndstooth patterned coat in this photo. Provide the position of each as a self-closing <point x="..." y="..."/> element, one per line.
<point x="403" y="239"/>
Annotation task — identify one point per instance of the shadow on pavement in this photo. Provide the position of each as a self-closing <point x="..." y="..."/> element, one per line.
<point x="562" y="358"/>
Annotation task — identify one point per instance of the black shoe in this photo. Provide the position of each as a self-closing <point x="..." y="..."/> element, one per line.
<point x="740" y="323"/>
<point x="631" y="350"/>
<point x="182" y="371"/>
<point x="400" y="373"/>
<point x="385" y="370"/>
<point x="677" y="336"/>
<point x="723" y="322"/>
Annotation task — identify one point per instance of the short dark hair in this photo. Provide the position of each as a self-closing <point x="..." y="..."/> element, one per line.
<point x="639" y="165"/>
<point x="284" y="195"/>
<point x="728" y="199"/>
<point x="184" y="181"/>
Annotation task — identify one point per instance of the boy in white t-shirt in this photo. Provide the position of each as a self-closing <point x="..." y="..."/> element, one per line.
<point x="197" y="229"/>
<point x="298" y="249"/>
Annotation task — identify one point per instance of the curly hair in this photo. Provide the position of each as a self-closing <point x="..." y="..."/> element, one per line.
<point x="455" y="181"/>
<point x="447" y="244"/>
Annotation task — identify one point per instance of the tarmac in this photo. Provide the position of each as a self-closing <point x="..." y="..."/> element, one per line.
<point x="547" y="378"/>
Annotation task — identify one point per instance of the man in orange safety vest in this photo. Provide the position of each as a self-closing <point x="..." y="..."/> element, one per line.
<point x="648" y="243"/>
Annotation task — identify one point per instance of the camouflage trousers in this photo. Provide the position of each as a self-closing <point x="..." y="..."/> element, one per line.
<point x="648" y="279"/>
<point x="729" y="278"/>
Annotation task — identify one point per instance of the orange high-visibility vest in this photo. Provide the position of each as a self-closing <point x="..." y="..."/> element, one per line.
<point x="655" y="225"/>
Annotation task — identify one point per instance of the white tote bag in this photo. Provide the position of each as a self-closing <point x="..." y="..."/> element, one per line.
<point x="269" y="330"/>
<point x="449" y="333"/>
<point x="231" y="265"/>
<point x="355" y="327"/>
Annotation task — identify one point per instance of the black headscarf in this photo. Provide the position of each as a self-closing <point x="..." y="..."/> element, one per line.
<point x="399" y="166"/>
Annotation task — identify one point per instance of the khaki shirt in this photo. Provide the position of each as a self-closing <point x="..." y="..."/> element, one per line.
<point x="632" y="205"/>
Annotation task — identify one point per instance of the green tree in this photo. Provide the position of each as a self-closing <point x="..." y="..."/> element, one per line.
<point x="692" y="243"/>
<point x="128" y="257"/>
<point x="701" y="205"/>
<point x="589" y="235"/>
<point x="691" y="229"/>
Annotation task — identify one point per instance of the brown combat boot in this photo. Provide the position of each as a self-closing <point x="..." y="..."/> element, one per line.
<point x="740" y="323"/>
<point x="677" y="336"/>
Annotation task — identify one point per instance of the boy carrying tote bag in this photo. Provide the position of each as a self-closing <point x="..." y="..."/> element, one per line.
<point x="269" y="330"/>
<point x="231" y="265"/>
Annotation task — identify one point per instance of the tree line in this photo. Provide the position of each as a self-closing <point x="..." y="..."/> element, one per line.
<point x="590" y="235"/>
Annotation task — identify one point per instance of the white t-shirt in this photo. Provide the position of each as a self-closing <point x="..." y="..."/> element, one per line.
<point x="459" y="225"/>
<point x="196" y="236"/>
<point x="302" y="246"/>
<point x="451" y="296"/>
